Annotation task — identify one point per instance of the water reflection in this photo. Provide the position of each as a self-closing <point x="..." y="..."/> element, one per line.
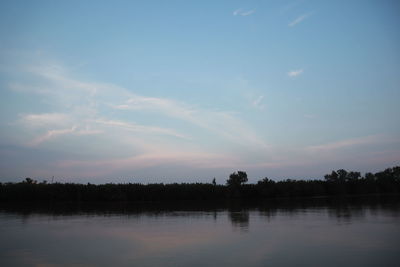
<point x="347" y="213"/>
<point x="341" y="209"/>
<point x="240" y="219"/>
<point x="320" y="232"/>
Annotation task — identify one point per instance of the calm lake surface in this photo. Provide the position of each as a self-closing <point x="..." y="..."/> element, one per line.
<point x="319" y="232"/>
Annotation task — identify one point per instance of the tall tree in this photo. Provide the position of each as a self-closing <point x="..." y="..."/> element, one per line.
<point x="237" y="178"/>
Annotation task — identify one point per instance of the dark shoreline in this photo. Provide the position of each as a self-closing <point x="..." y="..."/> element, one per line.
<point x="337" y="184"/>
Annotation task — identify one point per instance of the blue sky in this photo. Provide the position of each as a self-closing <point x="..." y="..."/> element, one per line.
<point x="174" y="91"/>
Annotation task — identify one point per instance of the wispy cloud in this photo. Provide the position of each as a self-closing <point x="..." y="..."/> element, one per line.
<point x="44" y="119"/>
<point x="155" y="158"/>
<point x="247" y="13"/>
<point x="298" y="20"/>
<point x="237" y="12"/>
<point x="257" y="103"/>
<point x="295" y="73"/>
<point x="365" y="140"/>
<point x="140" y="128"/>
<point x="243" y="12"/>
<point x="221" y="123"/>
<point x="51" y="134"/>
<point x="81" y="104"/>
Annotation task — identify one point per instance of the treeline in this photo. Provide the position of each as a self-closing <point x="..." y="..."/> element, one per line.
<point x="338" y="182"/>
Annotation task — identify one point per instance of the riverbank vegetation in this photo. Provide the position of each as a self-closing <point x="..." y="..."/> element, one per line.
<point x="340" y="182"/>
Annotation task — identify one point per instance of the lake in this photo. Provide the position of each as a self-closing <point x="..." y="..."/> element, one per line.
<point x="308" y="232"/>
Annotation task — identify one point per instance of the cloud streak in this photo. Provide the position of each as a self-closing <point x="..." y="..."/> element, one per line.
<point x="44" y="119"/>
<point x="112" y="113"/>
<point x="298" y="20"/>
<point x="194" y="160"/>
<point x="51" y="134"/>
<point x="141" y="128"/>
<point x="221" y="123"/>
<point x="295" y="73"/>
<point x="365" y="140"/>
<point x="257" y="103"/>
<point x="243" y="13"/>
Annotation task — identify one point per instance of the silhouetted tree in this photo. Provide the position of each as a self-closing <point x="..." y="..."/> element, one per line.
<point x="342" y="175"/>
<point x="237" y="178"/>
<point x="235" y="182"/>
<point x="369" y="177"/>
<point x="353" y="176"/>
<point x="333" y="177"/>
<point x="30" y="181"/>
<point x="264" y="181"/>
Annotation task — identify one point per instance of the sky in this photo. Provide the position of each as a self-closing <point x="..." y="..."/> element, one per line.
<point x="185" y="91"/>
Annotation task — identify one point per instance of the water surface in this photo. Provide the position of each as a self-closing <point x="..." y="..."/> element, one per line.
<point x="356" y="232"/>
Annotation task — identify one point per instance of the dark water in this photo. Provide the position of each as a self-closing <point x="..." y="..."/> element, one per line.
<point x="325" y="232"/>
